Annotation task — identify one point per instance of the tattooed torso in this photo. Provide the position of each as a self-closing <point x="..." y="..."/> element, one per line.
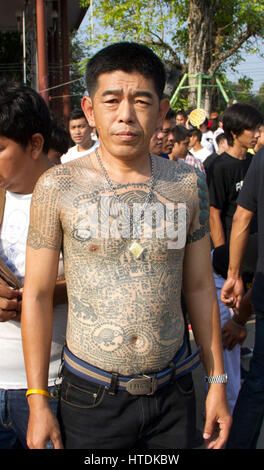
<point x="124" y="312"/>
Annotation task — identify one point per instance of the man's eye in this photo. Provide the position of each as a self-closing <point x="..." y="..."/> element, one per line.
<point x="142" y="102"/>
<point x="111" y="101"/>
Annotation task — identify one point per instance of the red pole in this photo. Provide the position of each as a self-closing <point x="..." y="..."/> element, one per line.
<point x="66" y="103"/>
<point x="42" y="49"/>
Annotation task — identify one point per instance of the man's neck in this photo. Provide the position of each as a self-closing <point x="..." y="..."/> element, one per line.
<point x="124" y="170"/>
<point x="83" y="148"/>
<point x="174" y="157"/>
<point x="237" y="151"/>
<point x="197" y="147"/>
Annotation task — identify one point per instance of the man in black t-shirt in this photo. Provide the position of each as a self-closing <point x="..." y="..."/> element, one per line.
<point x="241" y="124"/>
<point x="249" y="410"/>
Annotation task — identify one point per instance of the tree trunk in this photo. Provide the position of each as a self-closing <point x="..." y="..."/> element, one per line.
<point x="201" y="45"/>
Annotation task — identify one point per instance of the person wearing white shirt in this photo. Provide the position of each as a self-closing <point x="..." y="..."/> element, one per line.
<point x="24" y="145"/>
<point x="207" y="137"/>
<point x="195" y="147"/>
<point x="82" y="135"/>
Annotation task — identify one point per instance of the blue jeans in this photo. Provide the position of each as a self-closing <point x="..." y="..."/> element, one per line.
<point x="14" y="414"/>
<point x="249" y="410"/>
<point x="91" y="418"/>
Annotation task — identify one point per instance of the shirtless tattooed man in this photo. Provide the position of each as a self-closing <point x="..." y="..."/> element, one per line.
<point x="134" y="229"/>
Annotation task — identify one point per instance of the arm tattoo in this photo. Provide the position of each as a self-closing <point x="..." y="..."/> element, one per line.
<point x="45" y="229"/>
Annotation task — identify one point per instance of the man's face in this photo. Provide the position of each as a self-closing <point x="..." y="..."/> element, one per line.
<point x="261" y="136"/>
<point x="180" y="149"/>
<point x="80" y="131"/>
<point x="192" y="141"/>
<point x="168" y="135"/>
<point x="248" y="138"/>
<point x="156" y="141"/>
<point x="125" y="109"/>
<point x="180" y="120"/>
<point x="15" y="165"/>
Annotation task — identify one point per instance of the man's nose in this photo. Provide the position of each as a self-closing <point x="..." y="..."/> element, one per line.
<point x="126" y="111"/>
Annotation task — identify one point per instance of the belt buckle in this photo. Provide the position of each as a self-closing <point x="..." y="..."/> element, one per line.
<point x="142" y="385"/>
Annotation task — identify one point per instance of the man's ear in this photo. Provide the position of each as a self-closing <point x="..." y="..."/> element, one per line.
<point x="164" y="108"/>
<point x="233" y="135"/>
<point x="87" y="107"/>
<point x="36" y="142"/>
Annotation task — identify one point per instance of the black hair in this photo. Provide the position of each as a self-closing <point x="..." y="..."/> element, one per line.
<point x="214" y="125"/>
<point x="23" y="113"/>
<point x="180" y="133"/>
<point x="77" y="113"/>
<point x="220" y="137"/>
<point x="181" y="112"/>
<point x="239" y="117"/>
<point x="171" y="114"/>
<point x="196" y="132"/>
<point x="60" y="139"/>
<point x="128" y="57"/>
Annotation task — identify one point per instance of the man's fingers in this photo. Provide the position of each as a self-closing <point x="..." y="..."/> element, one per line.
<point x="6" y="315"/>
<point x="238" y="301"/>
<point x="57" y="442"/>
<point x="216" y="438"/>
<point x="8" y="304"/>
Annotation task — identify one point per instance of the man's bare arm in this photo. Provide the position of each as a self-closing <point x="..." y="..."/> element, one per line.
<point x="36" y="325"/>
<point x="216" y="227"/>
<point x="202" y="305"/>
<point x="42" y="257"/>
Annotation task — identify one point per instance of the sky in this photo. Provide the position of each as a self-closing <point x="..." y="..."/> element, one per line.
<point x="252" y="66"/>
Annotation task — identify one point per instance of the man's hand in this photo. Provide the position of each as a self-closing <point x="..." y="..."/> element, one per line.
<point x="42" y="426"/>
<point x="233" y="334"/>
<point x="218" y="417"/>
<point x="234" y="331"/>
<point x="10" y="302"/>
<point x="232" y="292"/>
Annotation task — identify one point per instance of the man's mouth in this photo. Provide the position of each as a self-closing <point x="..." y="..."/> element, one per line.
<point x="126" y="135"/>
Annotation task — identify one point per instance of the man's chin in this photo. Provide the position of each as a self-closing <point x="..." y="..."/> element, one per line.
<point x="168" y="150"/>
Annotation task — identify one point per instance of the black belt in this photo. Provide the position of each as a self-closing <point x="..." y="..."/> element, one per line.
<point x="145" y="384"/>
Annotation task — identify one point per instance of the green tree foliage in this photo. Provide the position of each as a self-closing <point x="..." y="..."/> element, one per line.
<point x="165" y="26"/>
<point x="79" y="53"/>
<point x="190" y="35"/>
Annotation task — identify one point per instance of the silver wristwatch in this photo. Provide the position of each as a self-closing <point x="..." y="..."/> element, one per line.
<point x="217" y="379"/>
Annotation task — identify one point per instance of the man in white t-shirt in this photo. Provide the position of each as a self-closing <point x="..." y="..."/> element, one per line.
<point x="207" y="137"/>
<point x="82" y="135"/>
<point x="195" y="147"/>
<point x="24" y="144"/>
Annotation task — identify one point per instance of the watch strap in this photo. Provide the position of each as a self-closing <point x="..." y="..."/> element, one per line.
<point x="217" y="379"/>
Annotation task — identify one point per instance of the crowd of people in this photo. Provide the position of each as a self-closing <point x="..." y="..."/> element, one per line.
<point x="103" y="333"/>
